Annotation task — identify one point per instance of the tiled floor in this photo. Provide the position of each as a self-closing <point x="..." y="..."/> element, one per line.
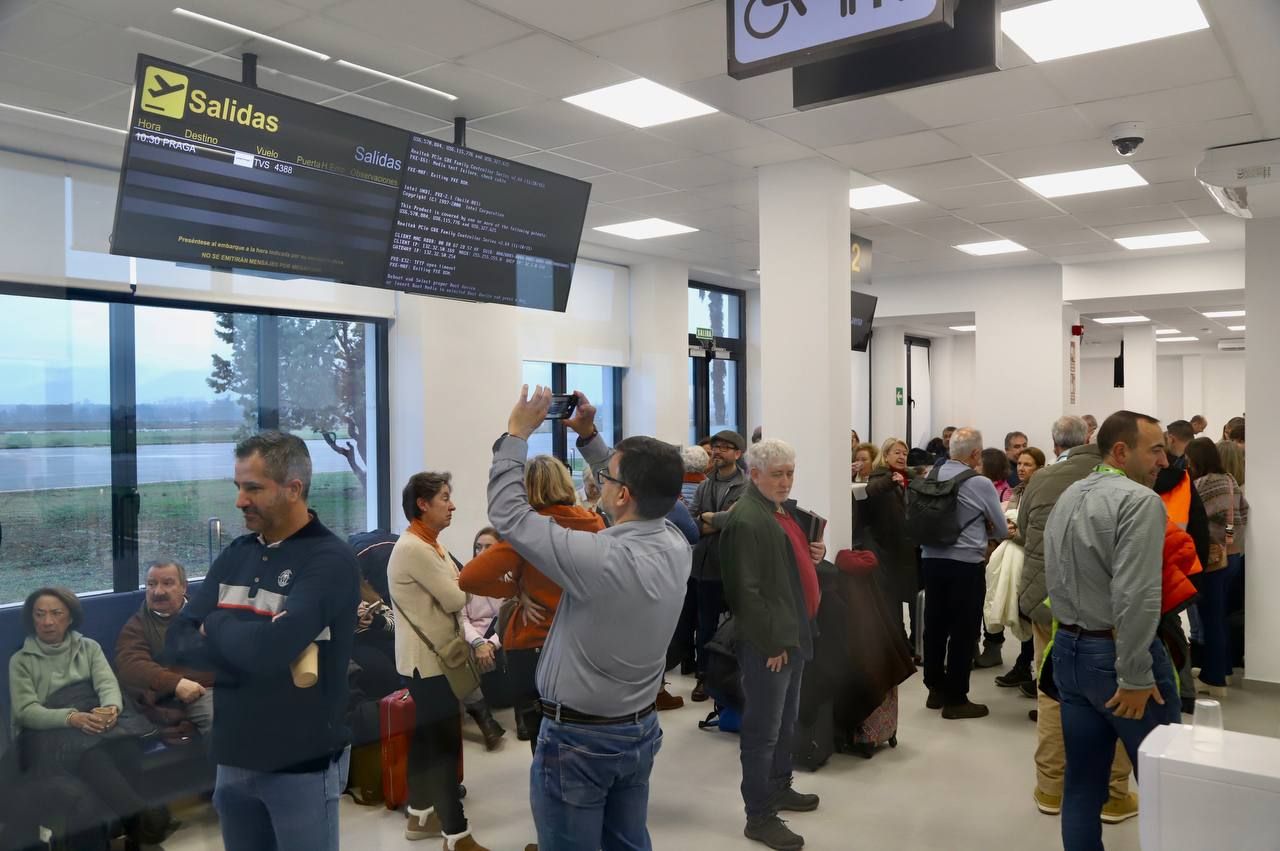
<point x="953" y="785"/>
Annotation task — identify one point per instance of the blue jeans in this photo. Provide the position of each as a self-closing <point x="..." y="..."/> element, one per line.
<point x="589" y="784"/>
<point x="1084" y="669"/>
<point x="771" y="704"/>
<point x="275" y="811"/>
<point x="1215" y="589"/>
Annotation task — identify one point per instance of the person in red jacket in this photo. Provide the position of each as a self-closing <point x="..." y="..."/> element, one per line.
<point x="500" y="571"/>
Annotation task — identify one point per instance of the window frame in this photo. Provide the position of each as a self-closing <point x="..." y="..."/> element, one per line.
<point x="559" y="384"/>
<point x="737" y="348"/>
<point x="122" y="351"/>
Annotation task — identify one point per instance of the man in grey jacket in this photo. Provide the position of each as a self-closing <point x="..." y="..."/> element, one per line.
<point x="603" y="660"/>
<point x="1104" y="546"/>
<point x="1076" y="461"/>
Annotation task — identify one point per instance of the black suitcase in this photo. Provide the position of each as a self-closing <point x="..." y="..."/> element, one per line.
<point x="814" y="743"/>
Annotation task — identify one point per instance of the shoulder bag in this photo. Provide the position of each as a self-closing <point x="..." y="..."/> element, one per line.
<point x="455" y="658"/>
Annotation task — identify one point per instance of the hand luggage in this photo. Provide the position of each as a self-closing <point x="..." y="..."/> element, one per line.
<point x="920" y="624"/>
<point x="397" y="720"/>
<point x="723" y="718"/>
<point x="364" y="780"/>
<point x="879" y="728"/>
<point x="813" y="744"/>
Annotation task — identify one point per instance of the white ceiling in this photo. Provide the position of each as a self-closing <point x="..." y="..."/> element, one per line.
<point x="958" y="146"/>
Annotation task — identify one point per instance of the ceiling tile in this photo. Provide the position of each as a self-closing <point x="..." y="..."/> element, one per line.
<point x="675" y="48"/>
<point x="928" y="179"/>
<point x="674" y="206"/>
<point x="1052" y="230"/>
<point x="846" y="123"/>
<point x="1030" y="130"/>
<point x="761" y="155"/>
<point x="112" y="53"/>
<point x="1166" y="63"/>
<point x="561" y="165"/>
<point x="478" y="95"/>
<point x="981" y="195"/>
<point x="1014" y="211"/>
<point x="1109" y="217"/>
<point x="717" y="132"/>
<point x="692" y="173"/>
<point x="755" y="98"/>
<point x="579" y="20"/>
<point x="603" y="214"/>
<point x="979" y="98"/>
<point x="625" y="151"/>
<point x="495" y="145"/>
<point x="1145" y="227"/>
<point x="354" y="45"/>
<point x="950" y="230"/>
<point x="1169" y="169"/>
<point x="1199" y="102"/>
<point x="905" y="213"/>
<point x="1050" y="159"/>
<point x="60" y="140"/>
<point x="547" y="65"/>
<point x="40" y="30"/>
<point x="41" y="86"/>
<point x="450" y="28"/>
<point x="611" y="187"/>
<point x="388" y="114"/>
<point x="1203" y="206"/>
<point x="738" y="193"/>
<point x="550" y="125"/>
<point x="896" y="152"/>
<point x="114" y="111"/>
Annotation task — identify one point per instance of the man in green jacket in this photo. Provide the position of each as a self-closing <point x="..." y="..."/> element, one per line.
<point x="771" y="586"/>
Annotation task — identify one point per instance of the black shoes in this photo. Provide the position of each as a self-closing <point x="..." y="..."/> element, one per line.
<point x="522" y="729"/>
<point x="1017" y="676"/>
<point x="774" y="833"/>
<point x="935" y="699"/>
<point x="797" y="802"/>
<point x="968" y="709"/>
<point x="699" y="693"/>
<point x="1028" y="689"/>
<point x="489" y="727"/>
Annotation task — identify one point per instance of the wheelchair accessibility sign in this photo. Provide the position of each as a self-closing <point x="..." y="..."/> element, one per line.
<point x="766" y="35"/>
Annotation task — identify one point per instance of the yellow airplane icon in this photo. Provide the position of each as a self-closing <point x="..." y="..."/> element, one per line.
<point x="164" y="92"/>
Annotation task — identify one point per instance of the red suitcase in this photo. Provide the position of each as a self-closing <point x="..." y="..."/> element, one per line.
<point x="397" y="719"/>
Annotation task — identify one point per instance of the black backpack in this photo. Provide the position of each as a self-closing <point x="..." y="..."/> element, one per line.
<point x="933" y="509"/>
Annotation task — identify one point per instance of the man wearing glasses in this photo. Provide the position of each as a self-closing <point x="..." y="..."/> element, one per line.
<point x="710" y="508"/>
<point x="605" y="655"/>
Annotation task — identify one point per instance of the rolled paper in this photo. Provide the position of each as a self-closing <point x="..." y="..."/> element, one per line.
<point x="306" y="668"/>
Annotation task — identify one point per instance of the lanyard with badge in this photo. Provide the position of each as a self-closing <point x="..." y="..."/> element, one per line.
<point x="1108" y="470"/>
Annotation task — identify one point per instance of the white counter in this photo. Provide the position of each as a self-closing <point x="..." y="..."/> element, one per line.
<point x="1194" y="800"/>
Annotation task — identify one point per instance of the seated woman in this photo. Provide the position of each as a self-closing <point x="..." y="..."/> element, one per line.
<point x="499" y="571"/>
<point x="66" y="715"/>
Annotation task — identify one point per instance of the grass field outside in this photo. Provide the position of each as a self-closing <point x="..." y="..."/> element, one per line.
<point x="146" y="437"/>
<point x="63" y="537"/>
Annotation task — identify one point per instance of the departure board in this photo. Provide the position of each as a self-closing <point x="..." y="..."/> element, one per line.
<point x="483" y="228"/>
<point x="223" y="174"/>
<point x="229" y="175"/>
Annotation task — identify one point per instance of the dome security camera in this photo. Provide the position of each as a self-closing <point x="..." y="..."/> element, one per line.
<point x="1127" y="136"/>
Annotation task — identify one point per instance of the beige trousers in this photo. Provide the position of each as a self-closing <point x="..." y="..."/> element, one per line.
<point x="1051" y="753"/>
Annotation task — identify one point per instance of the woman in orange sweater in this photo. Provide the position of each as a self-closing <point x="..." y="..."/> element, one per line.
<point x="500" y="571"/>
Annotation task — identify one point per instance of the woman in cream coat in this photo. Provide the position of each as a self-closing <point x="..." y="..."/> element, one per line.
<point x="425" y="594"/>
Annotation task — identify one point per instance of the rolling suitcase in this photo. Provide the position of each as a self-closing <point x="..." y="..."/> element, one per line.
<point x="813" y="744"/>
<point x="364" y="779"/>
<point x="397" y="720"/>
<point x="879" y="728"/>
<point x="920" y="625"/>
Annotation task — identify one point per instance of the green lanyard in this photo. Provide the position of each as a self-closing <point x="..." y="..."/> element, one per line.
<point x="1109" y="470"/>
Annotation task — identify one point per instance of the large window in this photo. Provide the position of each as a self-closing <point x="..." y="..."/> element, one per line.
<point x="118" y="421"/>
<point x="717" y="374"/>
<point x="601" y="384"/>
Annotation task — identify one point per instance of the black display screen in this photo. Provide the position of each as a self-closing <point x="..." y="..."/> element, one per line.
<point x="228" y="175"/>
<point x="862" y="310"/>
<point x="478" y="227"/>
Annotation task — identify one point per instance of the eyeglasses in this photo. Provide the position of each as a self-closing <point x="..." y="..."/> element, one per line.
<point x="602" y="473"/>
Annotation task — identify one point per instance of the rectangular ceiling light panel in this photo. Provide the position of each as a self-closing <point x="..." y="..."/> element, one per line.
<point x="1162" y="331"/>
<point x="1221" y="314"/>
<point x="1084" y="181"/>
<point x="641" y="103"/>
<point x="1177" y="339"/>
<point x="1060" y="28"/>
<point x="646" y="229"/>
<point x="1235" y="327"/>
<point x="985" y="249"/>
<point x="1163" y="240"/>
<point x="1121" y="320"/>
<point x="963" y="327"/>
<point x="871" y="197"/>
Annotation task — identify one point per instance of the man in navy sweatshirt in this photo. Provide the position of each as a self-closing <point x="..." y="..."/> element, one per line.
<point x="282" y="751"/>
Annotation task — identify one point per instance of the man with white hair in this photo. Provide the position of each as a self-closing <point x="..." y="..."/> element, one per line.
<point x="1068" y="432"/>
<point x="955" y="580"/>
<point x="771" y="584"/>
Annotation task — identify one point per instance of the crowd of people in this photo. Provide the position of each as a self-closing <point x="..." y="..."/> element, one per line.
<point x="574" y="604"/>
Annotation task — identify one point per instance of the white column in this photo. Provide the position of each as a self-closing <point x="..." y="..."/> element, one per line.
<point x="455" y="373"/>
<point x="1262" y="404"/>
<point x="1140" y="377"/>
<point x="888" y="373"/>
<point x="754" y="410"/>
<point x="804" y="331"/>
<point x="1193" y="387"/>
<point x="655" y="389"/>
<point x="1070" y="317"/>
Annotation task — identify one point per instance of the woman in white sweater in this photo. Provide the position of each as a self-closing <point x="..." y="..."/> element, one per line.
<point x="426" y="598"/>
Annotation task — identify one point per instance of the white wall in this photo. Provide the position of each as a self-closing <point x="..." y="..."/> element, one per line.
<point x="888" y="372"/>
<point x="1098" y="396"/>
<point x="1182" y="273"/>
<point x="1169" y="405"/>
<point x="1221" y="385"/>
<point x="1224" y="387"/>
<point x="951" y="366"/>
<point x="860" y="375"/>
<point x="655" y="390"/>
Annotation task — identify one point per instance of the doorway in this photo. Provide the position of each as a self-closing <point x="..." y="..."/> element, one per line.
<point x="919" y="393"/>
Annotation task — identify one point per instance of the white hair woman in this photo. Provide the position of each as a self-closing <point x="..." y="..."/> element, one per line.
<point x="696" y="460"/>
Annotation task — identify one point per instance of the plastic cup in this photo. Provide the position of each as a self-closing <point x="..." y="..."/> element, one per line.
<point x="1206" y="726"/>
